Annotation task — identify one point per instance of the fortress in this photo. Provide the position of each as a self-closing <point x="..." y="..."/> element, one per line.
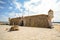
<point x="41" y="20"/>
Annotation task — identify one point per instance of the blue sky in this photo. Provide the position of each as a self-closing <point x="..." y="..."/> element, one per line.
<point x="15" y="8"/>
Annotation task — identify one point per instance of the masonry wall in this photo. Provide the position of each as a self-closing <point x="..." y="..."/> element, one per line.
<point x="36" y="21"/>
<point x="32" y="21"/>
<point x="15" y="21"/>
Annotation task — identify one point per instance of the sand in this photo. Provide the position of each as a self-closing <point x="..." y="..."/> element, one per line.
<point x="30" y="33"/>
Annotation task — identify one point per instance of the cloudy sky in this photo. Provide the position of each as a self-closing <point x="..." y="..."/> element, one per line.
<point x="15" y="8"/>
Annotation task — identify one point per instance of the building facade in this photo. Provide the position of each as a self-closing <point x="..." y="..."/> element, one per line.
<point x="41" y="20"/>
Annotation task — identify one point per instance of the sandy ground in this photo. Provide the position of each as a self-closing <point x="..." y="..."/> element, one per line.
<point x="29" y="33"/>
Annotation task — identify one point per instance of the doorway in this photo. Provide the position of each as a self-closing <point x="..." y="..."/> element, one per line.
<point x="21" y="23"/>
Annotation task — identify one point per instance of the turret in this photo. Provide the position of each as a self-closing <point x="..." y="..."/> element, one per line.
<point x="50" y="14"/>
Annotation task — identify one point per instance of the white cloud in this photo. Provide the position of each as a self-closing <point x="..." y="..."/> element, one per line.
<point x="43" y="7"/>
<point x="14" y="14"/>
<point x="35" y="7"/>
<point x="58" y="6"/>
<point x="10" y="7"/>
<point x="17" y="4"/>
<point x="1" y="7"/>
<point x="2" y="2"/>
<point x="57" y="16"/>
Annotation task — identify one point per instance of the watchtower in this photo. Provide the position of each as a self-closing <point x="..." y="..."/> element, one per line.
<point x="50" y="14"/>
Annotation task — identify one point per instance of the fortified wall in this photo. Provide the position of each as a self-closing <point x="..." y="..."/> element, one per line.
<point x="41" y="20"/>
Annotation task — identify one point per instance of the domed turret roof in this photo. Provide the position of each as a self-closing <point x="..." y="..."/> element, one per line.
<point x="50" y="10"/>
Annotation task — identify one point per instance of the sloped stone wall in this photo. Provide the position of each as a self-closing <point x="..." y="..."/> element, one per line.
<point x="37" y="21"/>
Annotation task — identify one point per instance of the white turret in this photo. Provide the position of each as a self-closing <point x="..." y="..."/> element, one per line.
<point x="50" y="14"/>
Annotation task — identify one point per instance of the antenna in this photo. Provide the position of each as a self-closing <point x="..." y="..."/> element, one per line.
<point x="28" y="11"/>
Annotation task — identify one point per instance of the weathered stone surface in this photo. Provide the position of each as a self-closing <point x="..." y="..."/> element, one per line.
<point x="41" y="20"/>
<point x="14" y="28"/>
<point x="37" y="21"/>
